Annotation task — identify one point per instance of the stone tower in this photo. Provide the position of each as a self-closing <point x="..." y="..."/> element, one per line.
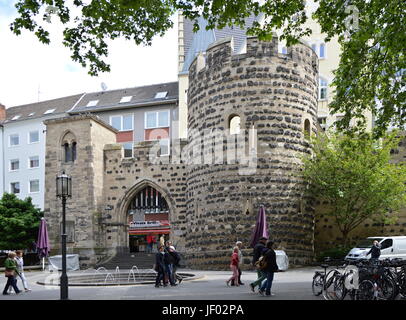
<point x="248" y="118"/>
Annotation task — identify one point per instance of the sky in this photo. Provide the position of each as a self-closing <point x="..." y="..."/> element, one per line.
<point x="31" y="71"/>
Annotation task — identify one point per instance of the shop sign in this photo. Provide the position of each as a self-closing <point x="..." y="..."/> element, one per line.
<point x="145" y="224"/>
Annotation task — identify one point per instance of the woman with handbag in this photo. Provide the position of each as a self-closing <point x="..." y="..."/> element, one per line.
<point x="270" y="267"/>
<point x="11" y="272"/>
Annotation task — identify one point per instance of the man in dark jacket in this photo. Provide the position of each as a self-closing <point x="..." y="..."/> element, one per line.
<point x="271" y="268"/>
<point x="169" y="261"/>
<point x="258" y="252"/>
<point x="160" y="266"/>
<point x="375" y="250"/>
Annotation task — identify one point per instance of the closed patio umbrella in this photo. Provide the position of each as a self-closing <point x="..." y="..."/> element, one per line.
<point x="43" y="247"/>
<point x="261" y="227"/>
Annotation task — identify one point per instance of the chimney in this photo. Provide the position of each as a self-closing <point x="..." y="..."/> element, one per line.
<point x="2" y="112"/>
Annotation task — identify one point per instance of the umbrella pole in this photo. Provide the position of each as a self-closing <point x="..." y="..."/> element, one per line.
<point x="43" y="263"/>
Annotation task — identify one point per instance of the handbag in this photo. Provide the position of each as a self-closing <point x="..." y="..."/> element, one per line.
<point x="9" y="273"/>
<point x="261" y="263"/>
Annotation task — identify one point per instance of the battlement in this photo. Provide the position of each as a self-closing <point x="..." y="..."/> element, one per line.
<point x="220" y="53"/>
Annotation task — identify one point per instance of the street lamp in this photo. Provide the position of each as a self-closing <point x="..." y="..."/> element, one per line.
<point x="63" y="191"/>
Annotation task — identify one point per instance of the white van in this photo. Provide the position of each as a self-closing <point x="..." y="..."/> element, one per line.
<point x="391" y="247"/>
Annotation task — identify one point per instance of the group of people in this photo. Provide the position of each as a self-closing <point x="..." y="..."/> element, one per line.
<point x="166" y="263"/>
<point x="14" y="267"/>
<point x="263" y="250"/>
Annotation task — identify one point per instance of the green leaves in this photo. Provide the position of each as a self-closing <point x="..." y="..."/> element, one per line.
<point x="372" y="34"/>
<point x="19" y="222"/>
<point x="356" y="176"/>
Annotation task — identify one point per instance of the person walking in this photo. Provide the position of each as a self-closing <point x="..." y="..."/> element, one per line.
<point x="176" y="258"/>
<point x="258" y="252"/>
<point x="239" y="245"/>
<point x="234" y="268"/>
<point x="159" y="267"/>
<point x="20" y="268"/>
<point x="11" y="271"/>
<point x="270" y="269"/>
<point x="169" y="261"/>
<point x="375" y="251"/>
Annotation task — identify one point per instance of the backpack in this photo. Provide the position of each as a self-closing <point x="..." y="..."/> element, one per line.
<point x="261" y="264"/>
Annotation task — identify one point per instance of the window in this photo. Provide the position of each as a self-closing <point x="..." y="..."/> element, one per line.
<point x="67" y="150"/>
<point x="164" y="144"/>
<point x="234" y="124"/>
<point x="307" y="128"/>
<point x="128" y="149"/>
<point x="314" y="47"/>
<point x="92" y="103"/>
<point x="284" y="50"/>
<point x="15" y="187"/>
<point x="122" y="123"/>
<point x="33" y="162"/>
<point x="386" y="243"/>
<point x="322" y="51"/>
<point x="160" y="95"/>
<point x="33" y="136"/>
<point x="14" y="165"/>
<point x="157" y="119"/>
<point x="49" y="111"/>
<point x="34" y="186"/>
<point x="73" y="150"/>
<point x="126" y="99"/>
<point x="14" y="139"/>
<point x="322" y="89"/>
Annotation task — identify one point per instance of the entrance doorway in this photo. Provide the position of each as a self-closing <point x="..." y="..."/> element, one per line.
<point x="148" y="219"/>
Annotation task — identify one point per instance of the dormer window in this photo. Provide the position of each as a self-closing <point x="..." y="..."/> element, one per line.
<point x="92" y="103"/>
<point x="161" y="95"/>
<point x="126" y="99"/>
<point x="16" y="117"/>
<point x="49" y="111"/>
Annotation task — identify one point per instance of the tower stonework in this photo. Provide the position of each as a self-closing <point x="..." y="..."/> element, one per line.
<point x="274" y="97"/>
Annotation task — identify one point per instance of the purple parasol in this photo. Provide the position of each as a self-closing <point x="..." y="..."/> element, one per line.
<point x="261" y="228"/>
<point x="43" y="247"/>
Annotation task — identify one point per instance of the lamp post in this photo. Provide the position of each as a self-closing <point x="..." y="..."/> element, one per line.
<point x="63" y="191"/>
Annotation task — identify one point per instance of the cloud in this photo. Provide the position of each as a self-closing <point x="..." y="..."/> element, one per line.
<point x="31" y="71"/>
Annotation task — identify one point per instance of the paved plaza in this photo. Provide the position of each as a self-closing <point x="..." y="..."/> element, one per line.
<point x="294" y="284"/>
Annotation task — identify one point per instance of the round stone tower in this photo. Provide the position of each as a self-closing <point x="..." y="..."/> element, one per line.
<point x="248" y="120"/>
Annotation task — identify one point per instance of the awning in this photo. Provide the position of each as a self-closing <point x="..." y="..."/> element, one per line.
<point x="149" y="231"/>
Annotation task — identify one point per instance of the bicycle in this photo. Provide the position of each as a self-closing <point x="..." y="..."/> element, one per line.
<point x="325" y="283"/>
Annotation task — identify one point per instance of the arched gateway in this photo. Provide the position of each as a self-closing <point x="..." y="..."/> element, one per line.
<point x="147" y="213"/>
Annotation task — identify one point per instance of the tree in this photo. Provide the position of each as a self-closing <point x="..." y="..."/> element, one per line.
<point x="372" y="34"/>
<point x="19" y="222"/>
<point x="354" y="174"/>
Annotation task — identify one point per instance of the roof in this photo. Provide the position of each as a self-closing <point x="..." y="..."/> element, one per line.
<point x="103" y="100"/>
<point x="200" y="41"/>
<point x="128" y="98"/>
<point x="38" y="109"/>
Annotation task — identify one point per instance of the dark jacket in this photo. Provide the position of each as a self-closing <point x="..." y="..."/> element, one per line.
<point x="258" y="251"/>
<point x="270" y="258"/>
<point x="168" y="258"/>
<point x="176" y="257"/>
<point x="159" y="262"/>
<point x="375" y="251"/>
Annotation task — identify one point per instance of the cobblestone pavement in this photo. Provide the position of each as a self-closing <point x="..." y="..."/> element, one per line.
<point x="294" y="284"/>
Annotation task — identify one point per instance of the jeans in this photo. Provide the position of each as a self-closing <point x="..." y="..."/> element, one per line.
<point x="159" y="277"/>
<point x="169" y="272"/>
<point x="261" y="276"/>
<point x="23" y="280"/>
<point x="11" y="281"/>
<point x="267" y="284"/>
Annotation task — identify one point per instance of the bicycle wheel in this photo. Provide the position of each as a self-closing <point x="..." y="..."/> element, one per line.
<point x="339" y="288"/>
<point x="317" y="284"/>
<point x="366" y="290"/>
<point x="386" y="289"/>
<point x="330" y="284"/>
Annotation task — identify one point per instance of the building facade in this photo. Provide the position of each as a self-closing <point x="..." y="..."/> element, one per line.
<point x="257" y="109"/>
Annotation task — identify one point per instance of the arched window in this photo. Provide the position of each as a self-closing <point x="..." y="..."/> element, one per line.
<point x="69" y="147"/>
<point x="74" y="151"/>
<point x="307" y="128"/>
<point x="67" y="152"/>
<point x="234" y="124"/>
<point x="148" y="201"/>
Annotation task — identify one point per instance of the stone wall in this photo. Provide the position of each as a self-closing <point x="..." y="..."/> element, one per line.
<point x="124" y="177"/>
<point x="82" y="209"/>
<point x="327" y="236"/>
<point x="274" y="94"/>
